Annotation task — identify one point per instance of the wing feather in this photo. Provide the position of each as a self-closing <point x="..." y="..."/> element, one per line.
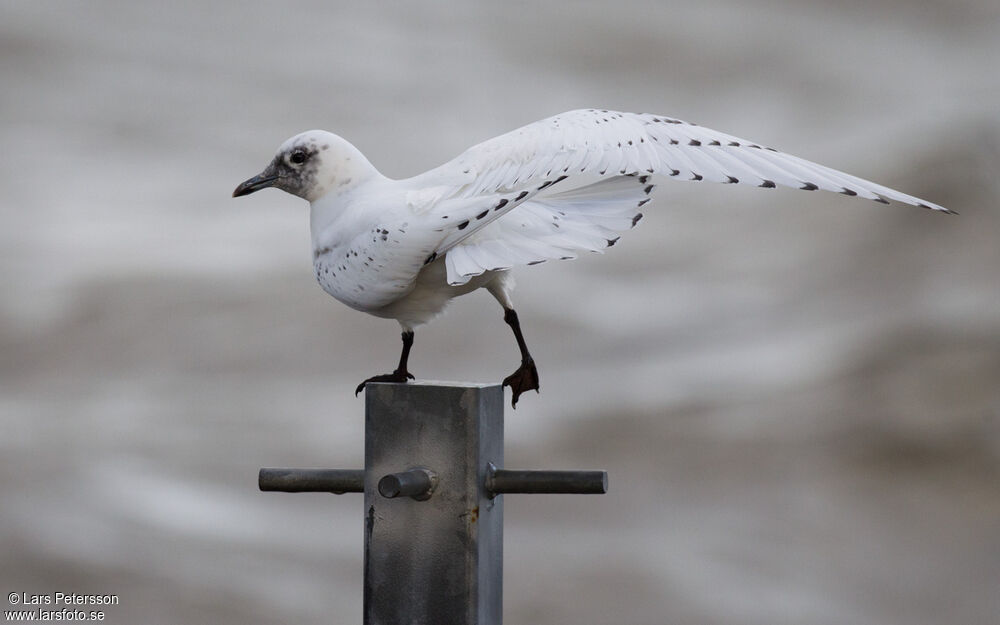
<point x="568" y="184"/>
<point x="609" y="143"/>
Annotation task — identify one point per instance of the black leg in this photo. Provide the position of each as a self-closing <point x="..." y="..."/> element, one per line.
<point x="400" y="374"/>
<point x="526" y="376"/>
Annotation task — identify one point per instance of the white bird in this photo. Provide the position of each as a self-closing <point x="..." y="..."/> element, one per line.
<point x="572" y="183"/>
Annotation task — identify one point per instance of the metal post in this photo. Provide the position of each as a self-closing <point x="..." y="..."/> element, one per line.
<point x="433" y="484"/>
<point x="439" y="560"/>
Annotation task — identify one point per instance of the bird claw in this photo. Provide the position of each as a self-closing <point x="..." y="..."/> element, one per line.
<point x="396" y="376"/>
<point x="524" y="379"/>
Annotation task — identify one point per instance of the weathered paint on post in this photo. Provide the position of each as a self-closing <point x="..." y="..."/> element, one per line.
<point x="440" y="560"/>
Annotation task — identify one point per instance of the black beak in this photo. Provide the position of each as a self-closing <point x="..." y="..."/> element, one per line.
<point x="258" y="182"/>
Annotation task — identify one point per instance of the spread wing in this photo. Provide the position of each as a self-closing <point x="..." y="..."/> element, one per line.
<point x="500" y="202"/>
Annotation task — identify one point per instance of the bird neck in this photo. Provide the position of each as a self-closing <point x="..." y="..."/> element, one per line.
<point x="346" y="208"/>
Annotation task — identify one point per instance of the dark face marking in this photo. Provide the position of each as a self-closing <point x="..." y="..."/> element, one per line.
<point x="296" y="168"/>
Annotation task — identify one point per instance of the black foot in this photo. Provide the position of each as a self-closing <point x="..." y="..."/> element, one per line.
<point x="395" y="376"/>
<point x="524" y="379"/>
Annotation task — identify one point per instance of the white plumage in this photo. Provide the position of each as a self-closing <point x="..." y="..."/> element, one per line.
<point x="549" y="190"/>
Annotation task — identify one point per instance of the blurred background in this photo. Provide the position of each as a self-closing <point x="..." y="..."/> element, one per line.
<point x="797" y="395"/>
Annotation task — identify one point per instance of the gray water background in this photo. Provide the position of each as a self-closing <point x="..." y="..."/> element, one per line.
<point x="797" y="395"/>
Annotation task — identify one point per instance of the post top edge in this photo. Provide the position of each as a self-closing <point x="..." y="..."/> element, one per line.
<point x="437" y="383"/>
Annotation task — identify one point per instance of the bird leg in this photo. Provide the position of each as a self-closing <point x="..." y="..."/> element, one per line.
<point x="400" y="374"/>
<point x="526" y="376"/>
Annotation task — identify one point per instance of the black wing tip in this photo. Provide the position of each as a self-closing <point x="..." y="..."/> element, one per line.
<point x="939" y="209"/>
<point x="936" y="209"/>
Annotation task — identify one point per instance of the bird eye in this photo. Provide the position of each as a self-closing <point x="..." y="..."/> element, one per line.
<point x="298" y="157"/>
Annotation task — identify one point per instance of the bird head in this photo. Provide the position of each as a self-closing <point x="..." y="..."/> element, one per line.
<point x="309" y="165"/>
